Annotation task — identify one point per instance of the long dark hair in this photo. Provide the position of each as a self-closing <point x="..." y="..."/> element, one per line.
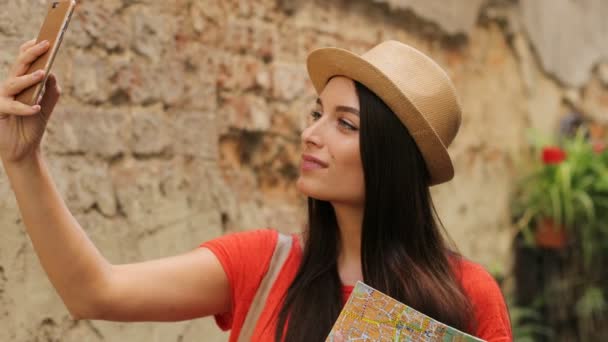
<point x="403" y="252"/>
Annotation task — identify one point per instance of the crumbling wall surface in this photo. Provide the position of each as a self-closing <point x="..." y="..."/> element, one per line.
<point x="453" y="16"/>
<point x="570" y="37"/>
<point x="180" y="122"/>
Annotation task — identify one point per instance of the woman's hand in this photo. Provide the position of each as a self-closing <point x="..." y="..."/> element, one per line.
<point x="22" y="126"/>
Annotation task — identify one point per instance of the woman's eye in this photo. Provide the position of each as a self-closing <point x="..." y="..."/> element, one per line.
<point x="347" y="125"/>
<point x="315" y="115"/>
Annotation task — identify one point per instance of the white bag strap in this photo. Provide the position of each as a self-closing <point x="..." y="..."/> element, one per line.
<point x="281" y="251"/>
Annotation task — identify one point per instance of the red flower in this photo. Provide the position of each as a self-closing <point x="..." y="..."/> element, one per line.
<point x="599" y="147"/>
<point x="553" y="155"/>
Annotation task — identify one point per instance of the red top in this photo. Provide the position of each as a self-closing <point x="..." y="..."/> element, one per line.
<point x="245" y="258"/>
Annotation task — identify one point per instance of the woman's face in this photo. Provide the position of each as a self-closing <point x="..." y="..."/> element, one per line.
<point x="331" y="168"/>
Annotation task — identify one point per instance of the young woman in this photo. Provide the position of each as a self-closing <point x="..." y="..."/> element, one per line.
<point x="375" y="142"/>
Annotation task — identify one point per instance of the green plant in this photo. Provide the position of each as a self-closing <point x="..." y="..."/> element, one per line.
<point x="526" y="321"/>
<point x="527" y="324"/>
<point x="592" y="302"/>
<point x="569" y="185"/>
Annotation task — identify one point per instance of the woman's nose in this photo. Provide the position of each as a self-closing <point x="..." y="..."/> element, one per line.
<point x="311" y="135"/>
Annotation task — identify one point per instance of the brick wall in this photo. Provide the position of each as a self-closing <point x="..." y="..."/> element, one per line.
<point x="180" y="121"/>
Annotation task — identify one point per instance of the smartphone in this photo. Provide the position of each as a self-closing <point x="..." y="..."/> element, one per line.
<point x="53" y="28"/>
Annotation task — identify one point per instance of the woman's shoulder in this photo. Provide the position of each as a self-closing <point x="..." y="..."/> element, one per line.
<point x="255" y="243"/>
<point x="488" y="302"/>
<point x="246" y="247"/>
<point x="474" y="274"/>
<point x="478" y="283"/>
<point x="245" y="257"/>
<point x="255" y="238"/>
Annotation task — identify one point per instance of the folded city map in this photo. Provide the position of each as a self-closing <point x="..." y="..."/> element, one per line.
<point x="370" y="315"/>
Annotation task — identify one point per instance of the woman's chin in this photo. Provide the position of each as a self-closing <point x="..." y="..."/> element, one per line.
<point x="307" y="189"/>
<point x="301" y="186"/>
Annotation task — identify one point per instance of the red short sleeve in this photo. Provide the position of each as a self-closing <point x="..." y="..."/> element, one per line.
<point x="244" y="257"/>
<point x="491" y="313"/>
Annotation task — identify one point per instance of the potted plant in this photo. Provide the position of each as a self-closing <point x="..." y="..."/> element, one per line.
<point x="561" y="192"/>
<point x="565" y="192"/>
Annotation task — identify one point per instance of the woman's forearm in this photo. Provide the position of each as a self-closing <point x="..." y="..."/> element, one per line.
<point x="73" y="264"/>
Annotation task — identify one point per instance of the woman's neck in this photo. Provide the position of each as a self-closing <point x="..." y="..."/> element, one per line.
<point x="350" y="220"/>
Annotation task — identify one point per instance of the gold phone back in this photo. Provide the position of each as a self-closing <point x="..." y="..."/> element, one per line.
<point x="52" y="30"/>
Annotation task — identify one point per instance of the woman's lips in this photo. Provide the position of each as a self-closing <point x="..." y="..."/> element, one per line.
<point x="308" y="165"/>
<point x="311" y="163"/>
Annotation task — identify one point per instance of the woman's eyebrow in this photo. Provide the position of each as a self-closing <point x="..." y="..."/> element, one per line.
<point x="341" y="108"/>
<point x="347" y="109"/>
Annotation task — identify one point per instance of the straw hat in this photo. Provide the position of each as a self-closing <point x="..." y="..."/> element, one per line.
<point x="411" y="84"/>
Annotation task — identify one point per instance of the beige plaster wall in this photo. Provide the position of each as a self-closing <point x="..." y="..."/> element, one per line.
<point x="180" y="122"/>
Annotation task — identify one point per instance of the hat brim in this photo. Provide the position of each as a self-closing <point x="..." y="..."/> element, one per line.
<point x="325" y="63"/>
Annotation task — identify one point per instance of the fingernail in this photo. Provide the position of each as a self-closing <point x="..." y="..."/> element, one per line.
<point x="44" y="43"/>
<point x="36" y="108"/>
<point x="39" y="73"/>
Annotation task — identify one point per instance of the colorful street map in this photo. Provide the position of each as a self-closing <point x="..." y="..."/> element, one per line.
<point x="370" y="315"/>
